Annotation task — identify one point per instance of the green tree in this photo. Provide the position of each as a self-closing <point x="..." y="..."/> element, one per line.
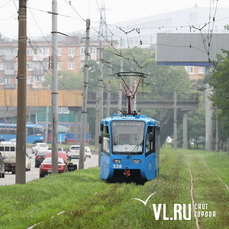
<point x="66" y="81"/>
<point x="219" y="80"/>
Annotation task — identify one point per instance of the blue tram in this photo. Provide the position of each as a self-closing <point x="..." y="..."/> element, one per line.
<point x="129" y="148"/>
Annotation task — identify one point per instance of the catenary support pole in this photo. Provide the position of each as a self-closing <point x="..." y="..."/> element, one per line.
<point x="208" y="115"/>
<point x="20" y="177"/>
<point x="54" y="89"/>
<point x="100" y="88"/>
<point x="120" y="88"/>
<point x="175" y="120"/>
<point x="109" y="88"/>
<point x="85" y="94"/>
<point x="185" y="130"/>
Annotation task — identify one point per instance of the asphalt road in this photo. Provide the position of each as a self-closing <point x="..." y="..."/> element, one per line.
<point x="34" y="172"/>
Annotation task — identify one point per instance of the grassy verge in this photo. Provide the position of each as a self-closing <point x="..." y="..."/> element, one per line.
<point x="80" y="200"/>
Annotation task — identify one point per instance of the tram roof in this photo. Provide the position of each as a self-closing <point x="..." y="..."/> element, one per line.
<point x="132" y="117"/>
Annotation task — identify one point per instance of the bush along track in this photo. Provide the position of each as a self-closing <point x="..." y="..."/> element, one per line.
<point x="187" y="191"/>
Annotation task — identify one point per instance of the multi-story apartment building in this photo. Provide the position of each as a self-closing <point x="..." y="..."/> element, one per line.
<point x="71" y="56"/>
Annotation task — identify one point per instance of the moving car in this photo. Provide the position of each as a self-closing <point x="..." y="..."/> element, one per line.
<point x="13" y="141"/>
<point x="39" y="146"/>
<point x="59" y="149"/>
<point x="46" y="166"/>
<point x="88" y="151"/>
<point x="8" y="153"/>
<point x="27" y="163"/>
<point x="67" y="160"/>
<point x="74" y="152"/>
<point x="61" y="154"/>
<point x="39" y="158"/>
<point x="2" y="167"/>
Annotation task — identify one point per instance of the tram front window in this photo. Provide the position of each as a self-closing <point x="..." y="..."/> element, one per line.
<point x="127" y="136"/>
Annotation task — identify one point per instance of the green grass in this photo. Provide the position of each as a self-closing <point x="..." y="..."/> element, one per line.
<point x="86" y="202"/>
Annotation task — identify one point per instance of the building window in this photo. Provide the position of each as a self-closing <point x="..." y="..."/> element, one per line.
<point x="59" y="52"/>
<point x="29" y="66"/>
<point x="201" y="70"/>
<point x="82" y="49"/>
<point x="29" y="52"/>
<point x="71" y="66"/>
<point x="9" y="66"/>
<point x="59" y="110"/>
<point x="65" y="110"/>
<point x="190" y="69"/>
<point x="29" y="80"/>
<point x="3" y="80"/>
<point x="71" y="52"/>
<point x="42" y="51"/>
<point x="59" y="66"/>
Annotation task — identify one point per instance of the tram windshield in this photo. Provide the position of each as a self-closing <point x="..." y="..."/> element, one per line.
<point x="127" y="136"/>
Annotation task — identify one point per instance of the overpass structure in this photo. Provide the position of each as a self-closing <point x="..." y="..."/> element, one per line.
<point x="73" y="100"/>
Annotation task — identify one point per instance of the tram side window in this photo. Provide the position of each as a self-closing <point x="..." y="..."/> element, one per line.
<point x="150" y="140"/>
<point x="157" y="137"/>
<point x="29" y="131"/>
<point x="105" y="139"/>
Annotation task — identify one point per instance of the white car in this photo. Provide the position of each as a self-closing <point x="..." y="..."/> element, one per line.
<point x="74" y="152"/>
<point x="39" y="146"/>
<point x="59" y="149"/>
<point x="13" y="141"/>
<point x="88" y="151"/>
<point x="27" y="163"/>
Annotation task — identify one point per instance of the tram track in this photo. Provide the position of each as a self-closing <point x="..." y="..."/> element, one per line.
<point x="208" y="195"/>
<point x="192" y="198"/>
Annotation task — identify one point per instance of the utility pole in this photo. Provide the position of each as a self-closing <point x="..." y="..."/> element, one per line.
<point x="97" y="122"/>
<point x="175" y="119"/>
<point x="208" y="115"/>
<point x="120" y="88"/>
<point x="54" y="89"/>
<point x="21" y="94"/>
<point x="109" y="89"/>
<point x="85" y="93"/>
<point x="100" y="88"/>
<point x="100" y="80"/>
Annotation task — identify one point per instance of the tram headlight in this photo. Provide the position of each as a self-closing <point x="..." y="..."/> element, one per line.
<point x="137" y="161"/>
<point x="117" y="161"/>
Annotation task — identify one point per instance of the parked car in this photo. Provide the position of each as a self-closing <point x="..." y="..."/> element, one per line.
<point x="39" y="146"/>
<point x="46" y="166"/>
<point x="39" y="158"/>
<point x="2" y="167"/>
<point x="88" y="151"/>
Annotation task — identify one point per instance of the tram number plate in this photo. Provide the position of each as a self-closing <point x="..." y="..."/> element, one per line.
<point x="117" y="166"/>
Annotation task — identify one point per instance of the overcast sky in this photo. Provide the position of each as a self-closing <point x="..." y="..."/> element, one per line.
<point x="73" y="13"/>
